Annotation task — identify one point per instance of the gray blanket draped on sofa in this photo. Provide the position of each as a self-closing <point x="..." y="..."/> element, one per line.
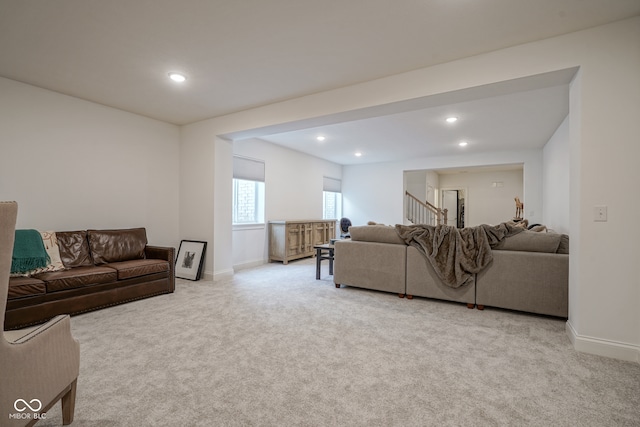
<point x="456" y="254"/>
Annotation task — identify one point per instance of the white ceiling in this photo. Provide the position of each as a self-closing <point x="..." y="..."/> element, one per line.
<point x="242" y="54"/>
<point x="521" y="120"/>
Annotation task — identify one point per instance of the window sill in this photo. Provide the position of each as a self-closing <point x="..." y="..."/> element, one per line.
<point x="252" y="226"/>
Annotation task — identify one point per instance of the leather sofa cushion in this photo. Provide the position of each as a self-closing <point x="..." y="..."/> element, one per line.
<point x="78" y="277"/>
<point x="375" y="233"/>
<point x="117" y="245"/>
<point x="139" y="267"/>
<point x="25" y="287"/>
<point x="74" y="248"/>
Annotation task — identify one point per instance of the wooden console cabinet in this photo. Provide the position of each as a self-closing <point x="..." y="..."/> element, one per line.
<point x="289" y="240"/>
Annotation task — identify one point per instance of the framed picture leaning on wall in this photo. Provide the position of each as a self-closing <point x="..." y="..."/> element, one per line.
<point x="190" y="259"/>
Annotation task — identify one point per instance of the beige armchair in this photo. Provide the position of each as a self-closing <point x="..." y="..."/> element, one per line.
<point x="38" y="365"/>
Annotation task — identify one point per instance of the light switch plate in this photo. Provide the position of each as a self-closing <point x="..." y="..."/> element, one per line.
<point x="600" y="213"/>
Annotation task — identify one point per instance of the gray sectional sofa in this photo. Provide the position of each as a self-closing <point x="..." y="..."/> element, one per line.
<point x="529" y="271"/>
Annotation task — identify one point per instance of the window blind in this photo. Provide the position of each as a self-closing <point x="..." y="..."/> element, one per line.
<point x="332" y="184"/>
<point x="249" y="169"/>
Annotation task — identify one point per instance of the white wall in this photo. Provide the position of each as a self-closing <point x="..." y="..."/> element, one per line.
<point x="604" y="315"/>
<point x="433" y="184"/>
<point x="198" y="190"/>
<point x="374" y="192"/>
<point x="223" y="195"/>
<point x="485" y="204"/>
<point x="293" y="190"/>
<point x="72" y="164"/>
<point x="555" y="180"/>
<point x="604" y="107"/>
<point x="423" y="184"/>
<point x="416" y="184"/>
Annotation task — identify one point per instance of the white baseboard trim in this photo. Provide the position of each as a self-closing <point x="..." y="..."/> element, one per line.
<point x="249" y="264"/>
<point x="600" y="347"/>
<point x="222" y="275"/>
<point x="228" y="273"/>
<point x="207" y="275"/>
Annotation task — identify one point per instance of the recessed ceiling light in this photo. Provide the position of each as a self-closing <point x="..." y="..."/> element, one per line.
<point x="320" y="138"/>
<point x="463" y="143"/>
<point x="358" y="154"/>
<point x="452" y="119"/>
<point x="177" y="77"/>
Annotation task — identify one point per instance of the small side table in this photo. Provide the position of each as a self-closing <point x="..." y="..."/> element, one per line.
<point x="324" y="252"/>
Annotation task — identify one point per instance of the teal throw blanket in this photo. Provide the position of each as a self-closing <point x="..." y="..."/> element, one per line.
<point x="29" y="252"/>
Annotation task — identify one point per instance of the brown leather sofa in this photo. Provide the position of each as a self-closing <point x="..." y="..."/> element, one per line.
<point x="102" y="268"/>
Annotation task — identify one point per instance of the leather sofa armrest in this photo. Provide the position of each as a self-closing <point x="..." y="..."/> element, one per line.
<point x="165" y="253"/>
<point x="160" y="252"/>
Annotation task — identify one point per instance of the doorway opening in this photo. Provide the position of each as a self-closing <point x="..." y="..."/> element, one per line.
<point x="455" y="200"/>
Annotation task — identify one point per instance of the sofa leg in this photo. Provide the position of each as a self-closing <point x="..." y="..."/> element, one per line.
<point x="409" y="296"/>
<point x="480" y="307"/>
<point x="470" y="305"/>
<point x="400" y="295"/>
<point x="338" y="285"/>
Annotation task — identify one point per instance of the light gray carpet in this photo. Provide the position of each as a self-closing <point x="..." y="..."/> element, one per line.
<point x="275" y="347"/>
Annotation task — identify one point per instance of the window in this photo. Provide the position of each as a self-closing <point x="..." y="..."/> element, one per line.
<point x="332" y="206"/>
<point x="248" y="201"/>
<point x="332" y="199"/>
<point x="248" y="191"/>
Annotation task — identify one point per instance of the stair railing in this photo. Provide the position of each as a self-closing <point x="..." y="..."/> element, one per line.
<point x="419" y="212"/>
